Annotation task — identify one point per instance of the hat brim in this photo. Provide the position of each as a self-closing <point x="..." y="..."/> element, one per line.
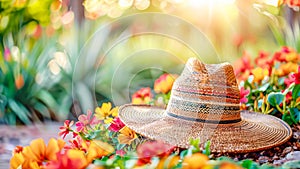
<point x="254" y="132"/>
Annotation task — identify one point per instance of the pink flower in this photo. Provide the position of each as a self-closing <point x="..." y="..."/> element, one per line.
<point x="80" y="126"/>
<point x="151" y="149"/>
<point x="289" y="80"/>
<point x="243" y="95"/>
<point x="7" y="54"/>
<point x="116" y="125"/>
<point x="85" y="120"/>
<point x="120" y="153"/>
<point x="296" y="76"/>
<point x="64" y="130"/>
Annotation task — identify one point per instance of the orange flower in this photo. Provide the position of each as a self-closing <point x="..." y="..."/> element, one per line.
<point x="293" y="57"/>
<point x="39" y="152"/>
<point x="16" y="161"/>
<point x="164" y="83"/>
<point x="286" y="54"/>
<point x="166" y="162"/>
<point x="286" y="69"/>
<point x="98" y="149"/>
<point x="259" y="74"/>
<point x="74" y="159"/>
<point x="19" y="81"/>
<point x="142" y="96"/>
<point x="227" y="165"/>
<point x="127" y="136"/>
<point x="195" y="161"/>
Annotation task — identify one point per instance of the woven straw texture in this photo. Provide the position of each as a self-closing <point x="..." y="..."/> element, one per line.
<point x="204" y="104"/>
<point x="255" y="132"/>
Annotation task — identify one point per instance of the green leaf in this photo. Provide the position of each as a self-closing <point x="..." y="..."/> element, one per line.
<point x="3" y="103"/>
<point x="184" y="153"/>
<point x="296" y="92"/>
<point x="249" y="164"/>
<point x="48" y="99"/>
<point x="275" y="98"/>
<point x="287" y="118"/>
<point x="206" y="151"/>
<point x="19" y="111"/>
<point x="41" y="108"/>
<point x="10" y="117"/>
<point x="295" y="115"/>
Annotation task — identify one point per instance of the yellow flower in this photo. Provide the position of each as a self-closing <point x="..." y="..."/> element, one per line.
<point x="195" y="161"/>
<point x="127" y="136"/>
<point x="106" y="113"/>
<point x="164" y="83"/>
<point x="259" y="74"/>
<point x="98" y="149"/>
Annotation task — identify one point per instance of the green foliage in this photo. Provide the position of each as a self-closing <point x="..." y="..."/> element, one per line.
<point x="275" y="98"/>
<point x="20" y="19"/>
<point x="26" y="93"/>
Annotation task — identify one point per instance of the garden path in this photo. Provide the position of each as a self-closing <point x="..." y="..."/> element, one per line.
<point x="10" y="136"/>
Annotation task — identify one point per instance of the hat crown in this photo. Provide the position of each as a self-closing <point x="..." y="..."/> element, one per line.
<point x="205" y="93"/>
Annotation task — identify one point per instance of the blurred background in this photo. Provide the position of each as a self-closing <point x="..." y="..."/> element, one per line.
<point x="60" y="58"/>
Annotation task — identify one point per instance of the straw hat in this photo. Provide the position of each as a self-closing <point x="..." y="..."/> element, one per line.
<point x="204" y="104"/>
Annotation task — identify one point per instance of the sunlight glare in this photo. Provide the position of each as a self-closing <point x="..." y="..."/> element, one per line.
<point x="205" y="3"/>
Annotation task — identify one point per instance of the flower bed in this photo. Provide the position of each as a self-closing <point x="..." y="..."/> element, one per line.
<point x="99" y="139"/>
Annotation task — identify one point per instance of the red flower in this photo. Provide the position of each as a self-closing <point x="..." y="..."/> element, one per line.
<point x="263" y="61"/>
<point x="288" y="97"/>
<point x="243" y="95"/>
<point x="151" y="149"/>
<point x="280" y="56"/>
<point x="78" y="144"/>
<point x="142" y="96"/>
<point x="116" y="125"/>
<point x="64" y="130"/>
<point x="296" y="76"/>
<point x="286" y="54"/>
<point x="243" y="64"/>
<point x="293" y="3"/>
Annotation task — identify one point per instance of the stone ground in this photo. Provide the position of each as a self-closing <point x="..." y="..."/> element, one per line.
<point x="10" y="136"/>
